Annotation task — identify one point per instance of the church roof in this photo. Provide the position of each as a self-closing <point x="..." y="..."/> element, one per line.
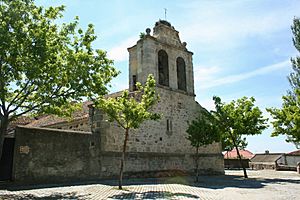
<point x="48" y="120"/>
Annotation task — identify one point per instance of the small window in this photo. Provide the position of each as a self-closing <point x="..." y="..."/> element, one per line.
<point x="134" y="82"/>
<point x="169" y="126"/>
<point x="163" y="68"/>
<point x="181" y="74"/>
<point x="92" y="144"/>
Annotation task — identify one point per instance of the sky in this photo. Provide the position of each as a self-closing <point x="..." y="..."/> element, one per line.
<point x="241" y="47"/>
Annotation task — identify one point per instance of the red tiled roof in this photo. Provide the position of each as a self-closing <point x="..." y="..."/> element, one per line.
<point x="23" y="120"/>
<point x="297" y="152"/>
<point x="48" y="120"/>
<point x="233" y="154"/>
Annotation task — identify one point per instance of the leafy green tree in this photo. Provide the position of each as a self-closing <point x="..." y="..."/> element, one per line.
<point x="45" y="67"/>
<point x="287" y="119"/>
<point x="201" y="132"/>
<point x="130" y="110"/>
<point x="237" y="119"/>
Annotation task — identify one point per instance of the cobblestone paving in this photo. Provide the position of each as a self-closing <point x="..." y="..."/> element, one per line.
<point x="260" y="185"/>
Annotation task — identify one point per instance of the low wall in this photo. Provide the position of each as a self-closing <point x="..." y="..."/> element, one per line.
<point x="235" y="163"/>
<point x="151" y="162"/>
<point x="292" y="160"/>
<point x="50" y="155"/>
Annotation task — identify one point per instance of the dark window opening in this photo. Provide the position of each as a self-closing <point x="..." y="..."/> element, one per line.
<point x="160" y="138"/>
<point x="181" y="74"/>
<point x="168" y="128"/>
<point x="163" y="68"/>
<point x="134" y="82"/>
<point x="169" y="125"/>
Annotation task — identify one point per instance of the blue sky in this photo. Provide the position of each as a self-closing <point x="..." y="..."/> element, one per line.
<point x="241" y="47"/>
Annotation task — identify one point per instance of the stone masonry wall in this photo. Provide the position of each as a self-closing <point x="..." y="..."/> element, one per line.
<point x="143" y="58"/>
<point x="176" y="108"/>
<point x="156" y="137"/>
<point x="49" y="155"/>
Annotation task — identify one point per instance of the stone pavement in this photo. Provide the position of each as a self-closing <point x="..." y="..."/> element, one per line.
<point x="260" y="185"/>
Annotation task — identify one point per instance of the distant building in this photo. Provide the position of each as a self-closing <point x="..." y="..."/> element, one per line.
<point x="276" y="161"/>
<point x="231" y="159"/>
<point x="266" y="160"/>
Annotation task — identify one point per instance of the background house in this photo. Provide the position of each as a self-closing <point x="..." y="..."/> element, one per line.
<point x="276" y="161"/>
<point x="266" y="160"/>
<point x="231" y="159"/>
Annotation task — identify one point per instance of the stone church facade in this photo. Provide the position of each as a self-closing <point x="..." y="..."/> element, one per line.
<point x="167" y="58"/>
<point x="55" y="155"/>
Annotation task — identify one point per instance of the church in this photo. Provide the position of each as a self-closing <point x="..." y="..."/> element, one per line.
<point x="167" y="58"/>
<point x="61" y="154"/>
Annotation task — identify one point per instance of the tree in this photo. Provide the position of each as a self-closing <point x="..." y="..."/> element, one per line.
<point x="237" y="119"/>
<point x="45" y="67"/>
<point x="201" y="132"/>
<point x="287" y="119"/>
<point x="130" y="110"/>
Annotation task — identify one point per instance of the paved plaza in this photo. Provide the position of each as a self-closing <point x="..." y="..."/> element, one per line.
<point x="265" y="184"/>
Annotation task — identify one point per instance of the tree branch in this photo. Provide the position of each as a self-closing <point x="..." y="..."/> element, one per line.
<point x="33" y="107"/>
<point x="26" y="111"/>
<point x="24" y="97"/>
<point x="15" y="99"/>
<point x="2" y="103"/>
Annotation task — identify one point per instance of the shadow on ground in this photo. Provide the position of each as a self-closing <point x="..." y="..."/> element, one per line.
<point x="212" y="182"/>
<point x="239" y="182"/>
<point x="153" y="195"/>
<point x="54" y="196"/>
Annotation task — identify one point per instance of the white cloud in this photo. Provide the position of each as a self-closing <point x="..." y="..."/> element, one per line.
<point x="203" y="73"/>
<point x="119" y="52"/>
<point x="225" y="24"/>
<point x="215" y="82"/>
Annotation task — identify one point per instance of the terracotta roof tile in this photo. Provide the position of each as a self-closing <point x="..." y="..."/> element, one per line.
<point x="48" y="120"/>
<point x="233" y="154"/>
<point x="297" y="152"/>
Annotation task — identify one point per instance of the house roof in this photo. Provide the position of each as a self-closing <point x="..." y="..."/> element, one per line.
<point x="297" y="152"/>
<point x="22" y="120"/>
<point x="266" y="158"/>
<point x="48" y="120"/>
<point x="233" y="154"/>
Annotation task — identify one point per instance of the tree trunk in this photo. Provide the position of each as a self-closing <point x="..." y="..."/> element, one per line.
<point x="197" y="160"/>
<point x="123" y="158"/>
<point x="241" y="162"/>
<point x="3" y="130"/>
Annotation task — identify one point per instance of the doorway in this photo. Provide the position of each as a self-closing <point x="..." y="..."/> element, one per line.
<point x="6" y="162"/>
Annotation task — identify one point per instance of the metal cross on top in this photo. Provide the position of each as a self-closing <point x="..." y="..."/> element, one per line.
<point x="165" y="14"/>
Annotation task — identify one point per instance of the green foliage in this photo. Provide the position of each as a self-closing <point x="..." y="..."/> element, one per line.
<point x="203" y="130"/>
<point x="287" y="119"/>
<point x="130" y="110"/>
<point x="44" y="67"/>
<point x="142" y="35"/>
<point x="228" y="143"/>
<point x="237" y="119"/>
